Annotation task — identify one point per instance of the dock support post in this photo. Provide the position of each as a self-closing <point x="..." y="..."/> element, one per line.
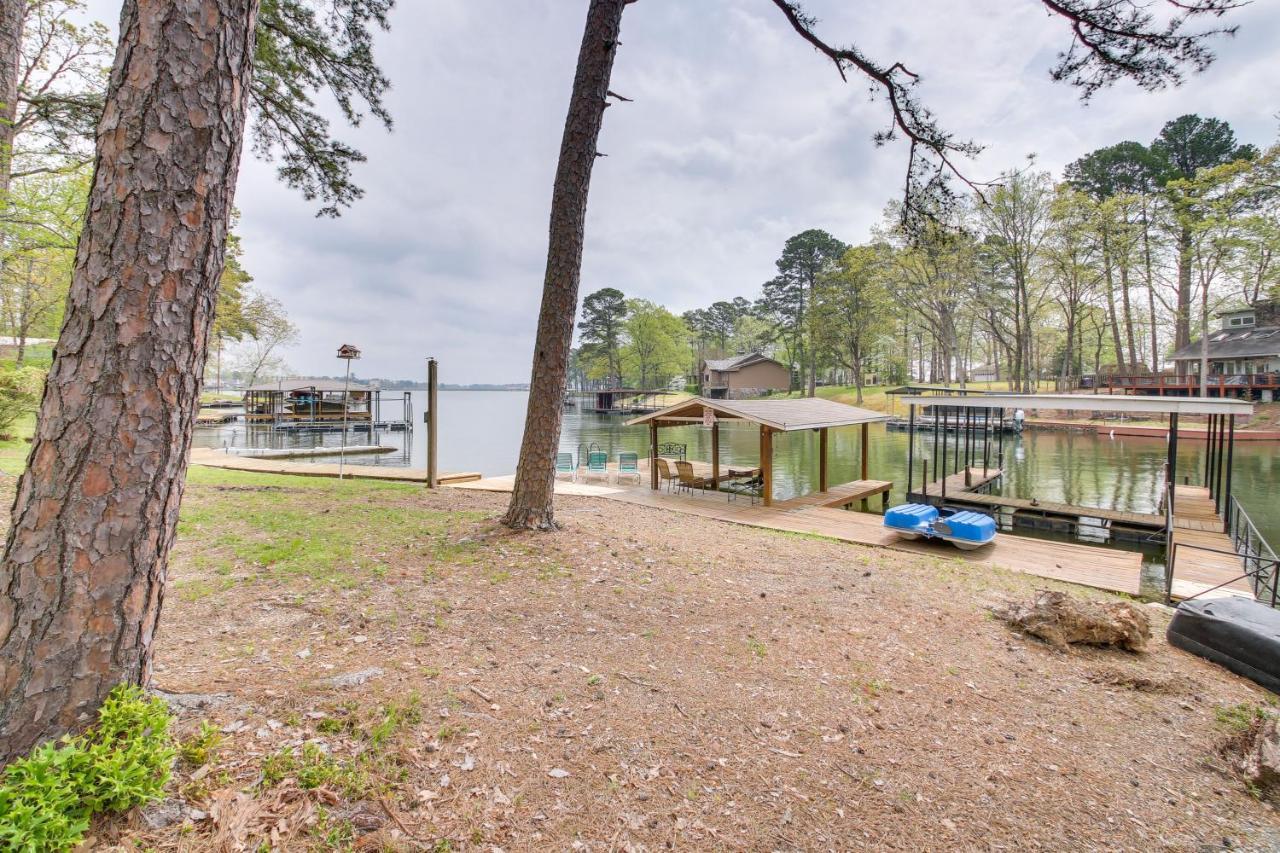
<point x="933" y="462"/>
<point x="1231" y="446"/>
<point x="715" y="453"/>
<point x="911" y="446"/>
<point x="968" y="449"/>
<point x="653" y="455"/>
<point x="1217" y="465"/>
<point x="822" y="459"/>
<point x="433" y="479"/>
<point x="766" y="466"/>
<point x="1208" y="453"/>
<point x="1171" y="464"/>
<point x="945" y="470"/>
<point x="866" y="448"/>
<point x="1000" y="444"/>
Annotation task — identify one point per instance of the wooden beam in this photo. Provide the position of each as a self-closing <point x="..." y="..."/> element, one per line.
<point x="653" y="455"/>
<point x="766" y="465"/>
<point x="822" y="460"/>
<point x="715" y="453"/>
<point x="866" y="431"/>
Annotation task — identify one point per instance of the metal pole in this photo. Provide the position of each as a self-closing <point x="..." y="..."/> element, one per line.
<point x="1000" y="443"/>
<point x="986" y="440"/>
<point x="911" y="446"/>
<point x="1217" y="465"/>
<point x="1231" y="446"/>
<point x="1208" y="451"/>
<point x="933" y="462"/>
<point x="945" y="420"/>
<point x="346" y="401"/>
<point x="433" y="479"/>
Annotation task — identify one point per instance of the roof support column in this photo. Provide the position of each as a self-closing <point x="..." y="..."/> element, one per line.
<point x="653" y="455"/>
<point x="715" y="453"/>
<point x="911" y="445"/>
<point x="766" y="465"/>
<point x="822" y="459"/>
<point x="1231" y="446"/>
<point x="866" y="447"/>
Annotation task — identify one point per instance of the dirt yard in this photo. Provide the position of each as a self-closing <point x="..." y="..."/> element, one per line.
<point x="390" y="669"/>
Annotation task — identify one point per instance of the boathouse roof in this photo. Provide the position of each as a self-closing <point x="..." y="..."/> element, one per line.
<point x="1092" y="403"/>
<point x="786" y="415"/>
<point x="304" y="384"/>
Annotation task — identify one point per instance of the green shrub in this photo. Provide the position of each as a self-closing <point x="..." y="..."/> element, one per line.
<point x="47" y="798"/>
<point x="19" y="393"/>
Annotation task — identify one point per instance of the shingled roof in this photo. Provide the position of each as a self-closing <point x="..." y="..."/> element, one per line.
<point x="725" y="365"/>
<point x="1256" y="342"/>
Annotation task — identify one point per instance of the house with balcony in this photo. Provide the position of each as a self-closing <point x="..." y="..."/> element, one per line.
<point x="1243" y="359"/>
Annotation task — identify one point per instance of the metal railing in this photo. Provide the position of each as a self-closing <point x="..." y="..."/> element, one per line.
<point x="1260" y="564"/>
<point x="1263" y="574"/>
<point x="1253" y="549"/>
<point x="1215" y="381"/>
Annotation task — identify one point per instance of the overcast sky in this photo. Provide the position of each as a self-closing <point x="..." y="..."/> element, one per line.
<point x="739" y="136"/>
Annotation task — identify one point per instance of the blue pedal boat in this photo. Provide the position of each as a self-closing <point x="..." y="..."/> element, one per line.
<point x="965" y="529"/>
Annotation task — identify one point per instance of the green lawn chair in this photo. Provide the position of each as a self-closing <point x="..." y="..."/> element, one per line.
<point x="598" y="465"/>
<point x="564" y="465"/>
<point x="629" y="466"/>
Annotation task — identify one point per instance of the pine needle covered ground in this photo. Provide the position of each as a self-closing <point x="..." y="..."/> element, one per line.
<point x="388" y="668"/>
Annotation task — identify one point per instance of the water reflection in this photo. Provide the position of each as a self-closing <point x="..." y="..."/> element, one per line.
<point x="481" y="431"/>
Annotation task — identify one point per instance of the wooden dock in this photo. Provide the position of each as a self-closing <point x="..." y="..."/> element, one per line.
<point x="1197" y="526"/>
<point x="1052" y="508"/>
<point x="1102" y="568"/>
<point x="210" y="458"/>
<point x="961" y="481"/>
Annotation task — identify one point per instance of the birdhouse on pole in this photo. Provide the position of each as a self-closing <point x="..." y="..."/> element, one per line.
<point x="348" y="352"/>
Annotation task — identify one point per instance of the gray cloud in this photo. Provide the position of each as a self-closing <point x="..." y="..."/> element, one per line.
<point x="740" y="135"/>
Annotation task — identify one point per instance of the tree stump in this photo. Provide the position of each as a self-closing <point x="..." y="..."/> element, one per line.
<point x="1061" y="620"/>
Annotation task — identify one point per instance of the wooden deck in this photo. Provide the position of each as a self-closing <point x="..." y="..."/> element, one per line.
<point x="1102" y="568"/>
<point x="1197" y="523"/>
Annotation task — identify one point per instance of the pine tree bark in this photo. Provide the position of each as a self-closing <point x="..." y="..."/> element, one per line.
<point x="94" y="518"/>
<point x="1182" y="322"/>
<point x="531" y="498"/>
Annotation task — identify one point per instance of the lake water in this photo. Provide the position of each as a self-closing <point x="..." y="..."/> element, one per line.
<point x="481" y="431"/>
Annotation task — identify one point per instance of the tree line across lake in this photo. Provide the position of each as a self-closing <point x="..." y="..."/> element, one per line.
<point x="1106" y="269"/>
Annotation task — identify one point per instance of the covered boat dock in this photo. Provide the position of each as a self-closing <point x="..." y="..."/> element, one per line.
<point x="1199" y="522"/>
<point x="773" y="417"/>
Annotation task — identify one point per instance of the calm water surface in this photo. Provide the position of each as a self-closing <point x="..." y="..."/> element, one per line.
<point x="481" y="431"/>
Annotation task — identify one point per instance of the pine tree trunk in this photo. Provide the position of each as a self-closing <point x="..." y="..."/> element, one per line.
<point x="13" y="14"/>
<point x="96" y="510"/>
<point x="1182" y="328"/>
<point x="531" y="497"/>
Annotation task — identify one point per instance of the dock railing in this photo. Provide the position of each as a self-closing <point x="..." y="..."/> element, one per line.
<point x="1259" y="562"/>
<point x="1263" y="574"/>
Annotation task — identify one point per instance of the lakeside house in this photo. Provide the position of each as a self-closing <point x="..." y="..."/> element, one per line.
<point x="1245" y="350"/>
<point x="1243" y="356"/>
<point x="749" y="375"/>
